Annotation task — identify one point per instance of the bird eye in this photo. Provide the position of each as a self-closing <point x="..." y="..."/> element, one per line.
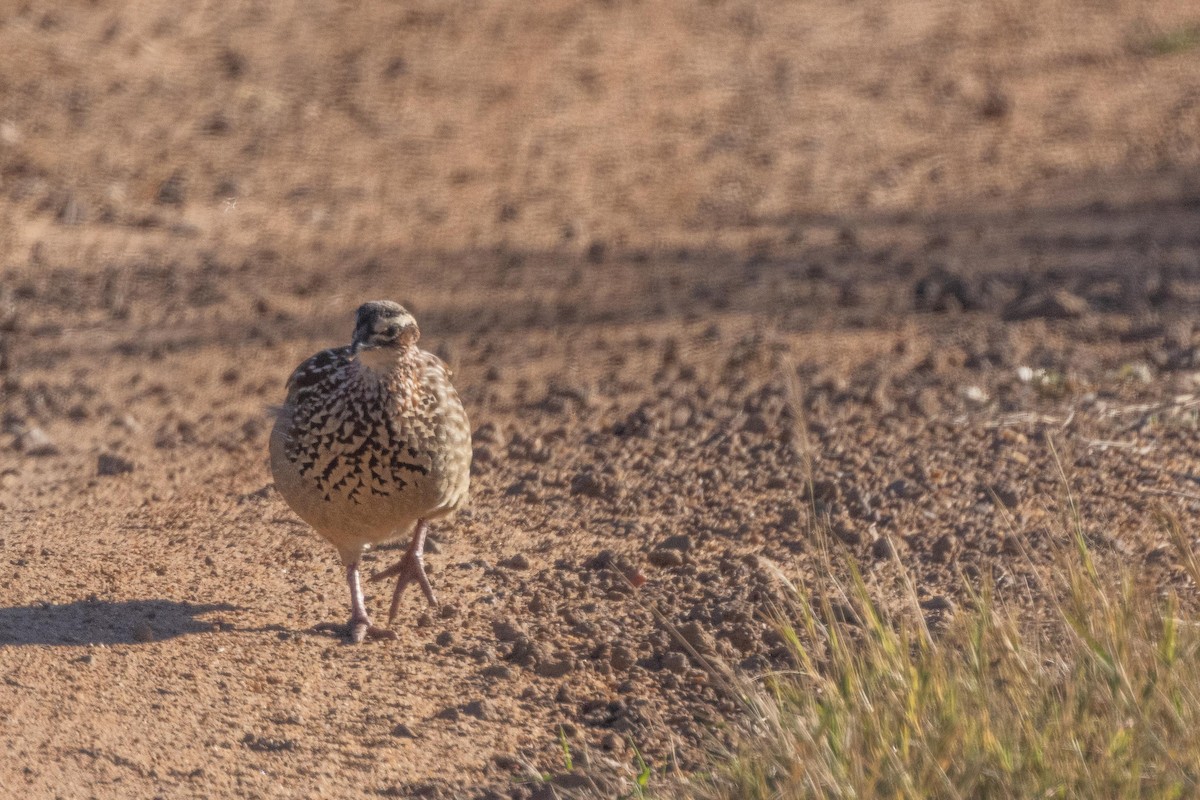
<point x="392" y="331"/>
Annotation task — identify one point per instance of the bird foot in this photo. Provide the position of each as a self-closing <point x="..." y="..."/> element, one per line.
<point x="362" y="629"/>
<point x="409" y="569"/>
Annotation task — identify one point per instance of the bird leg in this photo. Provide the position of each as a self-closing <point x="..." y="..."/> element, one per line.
<point x="360" y="622"/>
<point x="410" y="568"/>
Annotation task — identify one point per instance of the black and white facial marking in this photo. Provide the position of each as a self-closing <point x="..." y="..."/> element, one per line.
<point x="382" y="324"/>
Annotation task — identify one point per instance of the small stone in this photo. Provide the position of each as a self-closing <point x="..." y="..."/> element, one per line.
<point x="515" y="561"/>
<point x="499" y="671"/>
<point x="480" y="709"/>
<point x="681" y="542"/>
<point x="450" y="714"/>
<point x="402" y="731"/>
<point x="556" y="668"/>
<point x="143" y="633"/>
<point x="1058" y="304"/>
<point x="975" y="395"/>
<point x="506" y="761"/>
<point x="445" y="639"/>
<point x="699" y="639"/>
<point x="938" y="603"/>
<point x="35" y="442"/>
<point x="572" y="781"/>
<point x="1005" y="494"/>
<point x="665" y="558"/>
<point x="507" y="631"/>
<point x="883" y="548"/>
<point x="943" y="549"/>
<point x="621" y="658"/>
<point x="676" y="663"/>
<point x="112" y="464"/>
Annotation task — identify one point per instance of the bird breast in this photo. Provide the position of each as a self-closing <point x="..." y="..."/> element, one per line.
<point x="372" y="450"/>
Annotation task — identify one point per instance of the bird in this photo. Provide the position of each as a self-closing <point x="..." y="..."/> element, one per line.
<point x="371" y="444"/>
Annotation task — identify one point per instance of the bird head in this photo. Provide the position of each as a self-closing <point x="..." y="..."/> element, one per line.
<point x="384" y="328"/>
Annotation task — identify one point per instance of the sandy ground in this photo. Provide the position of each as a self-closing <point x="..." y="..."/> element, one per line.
<point x="724" y="285"/>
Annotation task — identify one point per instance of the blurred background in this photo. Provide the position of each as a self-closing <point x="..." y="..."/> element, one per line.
<point x="326" y="134"/>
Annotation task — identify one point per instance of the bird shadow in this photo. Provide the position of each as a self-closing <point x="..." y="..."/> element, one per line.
<point x="106" y="622"/>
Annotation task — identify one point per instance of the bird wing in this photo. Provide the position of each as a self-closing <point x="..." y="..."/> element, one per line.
<point x="314" y="371"/>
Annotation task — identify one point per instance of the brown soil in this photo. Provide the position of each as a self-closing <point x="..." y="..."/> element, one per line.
<point x="713" y="277"/>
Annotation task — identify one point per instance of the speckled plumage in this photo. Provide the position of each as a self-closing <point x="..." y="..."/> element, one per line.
<point x="373" y="441"/>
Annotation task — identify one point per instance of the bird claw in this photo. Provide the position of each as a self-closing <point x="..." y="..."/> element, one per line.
<point x="409" y="569"/>
<point x="361" y="630"/>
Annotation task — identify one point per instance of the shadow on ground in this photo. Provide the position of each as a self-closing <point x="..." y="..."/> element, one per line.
<point x="103" y="622"/>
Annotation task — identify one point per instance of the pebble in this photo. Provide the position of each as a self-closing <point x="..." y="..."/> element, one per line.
<point x="112" y="464"/>
<point x="938" y="603"/>
<point x="621" y="658"/>
<point x="480" y="709"/>
<point x="402" y="731"/>
<point x="665" y="558"/>
<point x="700" y="640"/>
<point x="498" y="671"/>
<point x="516" y="561"/>
<point x="556" y="668"/>
<point x="681" y="542"/>
<point x="883" y="548"/>
<point x="676" y="662"/>
<point x="507" y="631"/>
<point x="35" y="442"/>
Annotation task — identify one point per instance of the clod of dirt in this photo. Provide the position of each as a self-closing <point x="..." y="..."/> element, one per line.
<point x="1057" y="304"/>
<point x="564" y="664"/>
<point x="35" y="442"/>
<point x="173" y="191"/>
<point x="507" y="631"/>
<point x="506" y="761"/>
<point x="883" y="548"/>
<point x="593" y="484"/>
<point x="112" y="464"/>
<point x="938" y="603"/>
<point x="497" y="671"/>
<point x="515" y="561"/>
<point x="480" y="709"/>
<point x="450" y="714"/>
<point x="143" y="633"/>
<point x="944" y="548"/>
<point x="665" y="558"/>
<point x="681" y="542"/>
<point x="525" y="652"/>
<point x="676" y="663"/>
<point x="261" y="744"/>
<point x="621" y="658"/>
<point x="402" y="731"/>
<point x="996" y="105"/>
<point x="698" y="638"/>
